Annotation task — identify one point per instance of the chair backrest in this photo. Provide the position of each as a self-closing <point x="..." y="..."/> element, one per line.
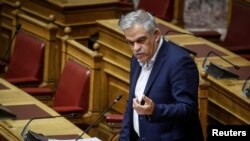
<point x="239" y="24"/>
<point x="73" y="87"/>
<point x="27" y="58"/>
<point x="163" y="9"/>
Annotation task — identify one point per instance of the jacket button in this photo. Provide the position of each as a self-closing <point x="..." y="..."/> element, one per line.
<point x="142" y="138"/>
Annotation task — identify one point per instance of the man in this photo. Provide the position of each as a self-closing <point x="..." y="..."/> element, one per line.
<point x="163" y="103"/>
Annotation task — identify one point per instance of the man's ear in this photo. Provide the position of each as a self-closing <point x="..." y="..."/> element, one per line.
<point x="157" y="34"/>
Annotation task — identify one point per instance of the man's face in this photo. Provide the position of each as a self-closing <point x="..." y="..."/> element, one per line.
<point x="142" y="43"/>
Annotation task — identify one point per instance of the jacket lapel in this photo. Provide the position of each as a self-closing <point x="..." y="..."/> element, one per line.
<point x="160" y="59"/>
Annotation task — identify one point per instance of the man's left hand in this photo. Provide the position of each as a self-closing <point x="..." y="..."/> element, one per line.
<point x="146" y="109"/>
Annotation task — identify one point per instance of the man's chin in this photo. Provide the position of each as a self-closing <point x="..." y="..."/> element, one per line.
<point x="142" y="61"/>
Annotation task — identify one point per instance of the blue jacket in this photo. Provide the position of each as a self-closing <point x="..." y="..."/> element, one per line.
<point x="173" y="87"/>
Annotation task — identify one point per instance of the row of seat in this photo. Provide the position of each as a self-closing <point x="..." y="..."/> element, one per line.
<point x="25" y="70"/>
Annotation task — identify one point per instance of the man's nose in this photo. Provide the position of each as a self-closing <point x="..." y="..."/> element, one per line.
<point x="136" y="46"/>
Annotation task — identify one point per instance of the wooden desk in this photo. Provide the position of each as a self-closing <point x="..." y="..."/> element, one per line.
<point x="80" y="15"/>
<point x="55" y="127"/>
<point x="227" y="104"/>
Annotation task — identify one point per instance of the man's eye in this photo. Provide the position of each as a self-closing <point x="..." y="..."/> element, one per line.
<point x="141" y="41"/>
<point x="130" y="43"/>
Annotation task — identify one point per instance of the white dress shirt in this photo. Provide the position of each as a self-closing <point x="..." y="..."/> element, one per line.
<point x="141" y="84"/>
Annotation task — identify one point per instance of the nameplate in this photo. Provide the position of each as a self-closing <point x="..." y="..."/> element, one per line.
<point x="203" y="49"/>
<point x="166" y="30"/>
<point x="3" y="87"/>
<point x="63" y="137"/>
<point x="243" y="72"/>
<point x="29" y="111"/>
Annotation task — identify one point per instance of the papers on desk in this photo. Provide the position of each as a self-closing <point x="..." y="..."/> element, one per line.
<point x="88" y="139"/>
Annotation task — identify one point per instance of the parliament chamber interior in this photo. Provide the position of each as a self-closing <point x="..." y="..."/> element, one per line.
<point x="64" y="62"/>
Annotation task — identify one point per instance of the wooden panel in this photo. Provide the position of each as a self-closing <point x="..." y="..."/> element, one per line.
<point x="116" y="67"/>
<point x="178" y="13"/>
<point x="234" y="103"/>
<point x="222" y="116"/>
<point x="203" y="104"/>
<point x="115" y="87"/>
<point x="7" y="135"/>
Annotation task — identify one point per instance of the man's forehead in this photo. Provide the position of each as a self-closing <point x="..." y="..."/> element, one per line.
<point x="136" y="38"/>
<point x="135" y="33"/>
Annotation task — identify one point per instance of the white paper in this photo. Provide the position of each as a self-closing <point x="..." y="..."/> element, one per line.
<point x="88" y="139"/>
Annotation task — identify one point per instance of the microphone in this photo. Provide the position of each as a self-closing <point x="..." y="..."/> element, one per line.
<point x="101" y="115"/>
<point x="246" y="87"/>
<point x="18" y="27"/>
<point x="218" y="71"/>
<point x="31" y="134"/>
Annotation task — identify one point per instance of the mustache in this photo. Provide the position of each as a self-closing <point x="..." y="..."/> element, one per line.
<point x="138" y="52"/>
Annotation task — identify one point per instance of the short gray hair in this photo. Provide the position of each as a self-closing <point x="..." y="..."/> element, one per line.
<point x="138" y="17"/>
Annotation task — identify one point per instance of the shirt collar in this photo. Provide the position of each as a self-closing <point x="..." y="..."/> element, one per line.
<point x="150" y="63"/>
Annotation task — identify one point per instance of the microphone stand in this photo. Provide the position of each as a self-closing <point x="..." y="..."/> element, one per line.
<point x="27" y="124"/>
<point x="218" y="71"/>
<point x="245" y="87"/>
<point x="91" y="125"/>
<point x="18" y="27"/>
<point x="212" y="52"/>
